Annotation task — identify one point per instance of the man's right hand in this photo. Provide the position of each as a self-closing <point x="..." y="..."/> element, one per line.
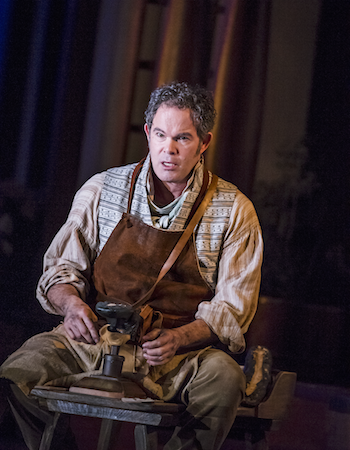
<point x="79" y="319"/>
<point x="79" y="323"/>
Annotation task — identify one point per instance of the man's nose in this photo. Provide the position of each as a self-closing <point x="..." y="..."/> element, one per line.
<point x="170" y="146"/>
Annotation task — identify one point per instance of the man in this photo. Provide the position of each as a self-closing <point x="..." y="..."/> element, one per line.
<point x="122" y="226"/>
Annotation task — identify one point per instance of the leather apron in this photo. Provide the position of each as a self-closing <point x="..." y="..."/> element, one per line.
<point x="132" y="258"/>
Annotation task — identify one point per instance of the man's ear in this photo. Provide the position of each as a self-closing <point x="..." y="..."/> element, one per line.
<point x="145" y="127"/>
<point x="206" y="141"/>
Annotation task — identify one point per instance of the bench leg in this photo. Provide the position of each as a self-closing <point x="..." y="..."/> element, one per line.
<point x="145" y="438"/>
<point x="107" y="427"/>
<point x="256" y="441"/>
<point x="48" y="433"/>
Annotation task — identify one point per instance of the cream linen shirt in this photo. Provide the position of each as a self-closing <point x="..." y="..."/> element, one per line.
<point x="71" y="254"/>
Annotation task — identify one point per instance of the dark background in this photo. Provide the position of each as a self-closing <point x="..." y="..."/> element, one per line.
<point x="304" y="311"/>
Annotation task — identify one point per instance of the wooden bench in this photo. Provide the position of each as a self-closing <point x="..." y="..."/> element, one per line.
<point x="250" y="425"/>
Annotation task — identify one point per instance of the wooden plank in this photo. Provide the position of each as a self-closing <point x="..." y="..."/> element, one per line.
<point x="277" y="404"/>
<point x="244" y="411"/>
<point x="123" y="415"/>
<point x="149" y="405"/>
<point x="275" y="407"/>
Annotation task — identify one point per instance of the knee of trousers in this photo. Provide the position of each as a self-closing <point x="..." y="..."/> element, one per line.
<point x="219" y="378"/>
<point x="40" y="359"/>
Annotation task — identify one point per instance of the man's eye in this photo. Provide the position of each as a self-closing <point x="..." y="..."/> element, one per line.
<point x="182" y="138"/>
<point x="160" y="135"/>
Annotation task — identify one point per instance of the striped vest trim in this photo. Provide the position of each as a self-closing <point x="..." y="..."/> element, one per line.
<point x="210" y="232"/>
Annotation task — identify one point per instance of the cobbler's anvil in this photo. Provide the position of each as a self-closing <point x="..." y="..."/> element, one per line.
<point x="122" y="319"/>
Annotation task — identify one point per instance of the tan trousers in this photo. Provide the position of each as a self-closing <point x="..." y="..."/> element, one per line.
<point x="212" y="397"/>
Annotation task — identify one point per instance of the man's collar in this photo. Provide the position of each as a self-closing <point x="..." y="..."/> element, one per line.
<point x="194" y="183"/>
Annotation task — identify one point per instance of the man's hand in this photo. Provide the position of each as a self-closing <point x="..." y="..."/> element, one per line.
<point x="79" y="323"/>
<point x="160" y="345"/>
<point x="79" y="319"/>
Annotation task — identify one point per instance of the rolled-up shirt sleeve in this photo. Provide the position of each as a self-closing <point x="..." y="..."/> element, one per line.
<point x="70" y="255"/>
<point x="234" y="304"/>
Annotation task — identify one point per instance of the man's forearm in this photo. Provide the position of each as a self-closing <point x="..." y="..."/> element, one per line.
<point x="78" y="317"/>
<point x="62" y="296"/>
<point x="196" y="333"/>
<point x="161" y="344"/>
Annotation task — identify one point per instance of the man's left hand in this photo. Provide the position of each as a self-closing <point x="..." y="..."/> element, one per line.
<point x="160" y="345"/>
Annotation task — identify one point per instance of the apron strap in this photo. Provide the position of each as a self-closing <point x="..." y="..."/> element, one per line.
<point x="175" y="253"/>
<point x="199" y="197"/>
<point x="133" y="182"/>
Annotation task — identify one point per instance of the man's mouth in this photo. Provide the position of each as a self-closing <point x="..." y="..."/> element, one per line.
<point x="168" y="165"/>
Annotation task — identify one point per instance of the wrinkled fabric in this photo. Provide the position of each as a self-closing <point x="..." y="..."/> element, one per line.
<point x="212" y="396"/>
<point x="54" y="359"/>
<point x="233" y="233"/>
<point x="236" y="279"/>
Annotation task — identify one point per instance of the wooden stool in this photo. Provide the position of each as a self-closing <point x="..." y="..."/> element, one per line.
<point x="251" y="424"/>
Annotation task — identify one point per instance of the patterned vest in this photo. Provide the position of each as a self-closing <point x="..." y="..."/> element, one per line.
<point x="210" y="232"/>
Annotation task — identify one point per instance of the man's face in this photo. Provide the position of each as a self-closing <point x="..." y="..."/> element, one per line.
<point x="174" y="146"/>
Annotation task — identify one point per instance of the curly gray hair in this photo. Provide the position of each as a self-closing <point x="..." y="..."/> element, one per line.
<point x="198" y="100"/>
